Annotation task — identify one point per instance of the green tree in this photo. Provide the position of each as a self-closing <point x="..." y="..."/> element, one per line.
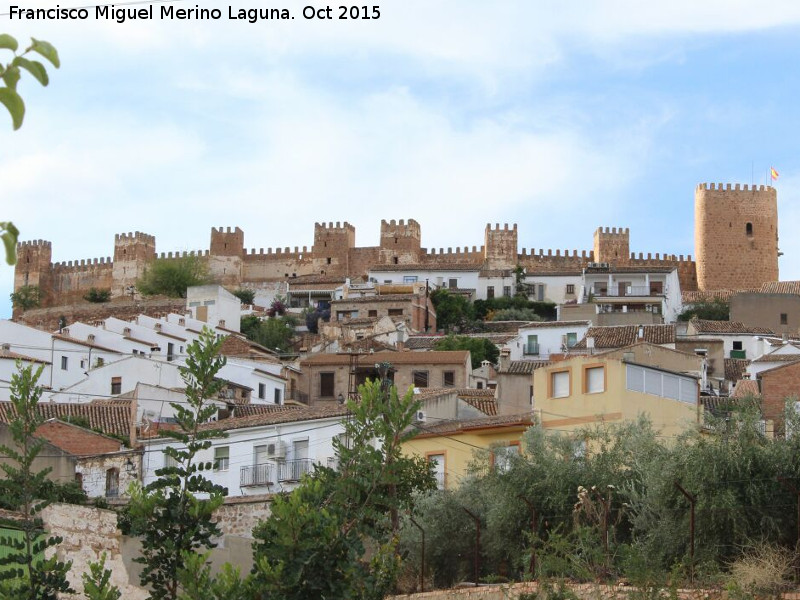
<point x="10" y="74"/>
<point x="97" y="582"/>
<point x="453" y="312"/>
<point x="275" y="333"/>
<point x="25" y="573"/>
<point x="245" y="295"/>
<point x="26" y="297"/>
<point x="715" y="309"/>
<point x="172" y="276"/>
<point x="170" y="515"/>
<point x="515" y="314"/>
<point x="480" y="348"/>
<point x="314" y="543"/>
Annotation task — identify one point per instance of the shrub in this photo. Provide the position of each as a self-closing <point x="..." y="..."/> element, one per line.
<point x="172" y="276"/>
<point x="763" y="569"/>
<point x="245" y="295"/>
<point x="26" y="297"/>
<point x="97" y="295"/>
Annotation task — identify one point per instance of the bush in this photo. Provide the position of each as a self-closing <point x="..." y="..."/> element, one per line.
<point x="172" y="276"/>
<point x="711" y="310"/>
<point x="97" y="295"/>
<point x="480" y="348"/>
<point x="26" y="297"/>
<point x="245" y="295"/>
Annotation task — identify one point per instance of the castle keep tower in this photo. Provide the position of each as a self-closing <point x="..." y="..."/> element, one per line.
<point x="34" y="266"/>
<point x="612" y="245"/>
<point x="735" y="236"/>
<point x="132" y="253"/>
<point x="400" y="242"/>
<point x="226" y="255"/>
<point x="500" y="246"/>
<point x="332" y="245"/>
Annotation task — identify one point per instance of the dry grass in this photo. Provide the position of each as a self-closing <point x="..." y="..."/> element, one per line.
<point x="763" y="569"/>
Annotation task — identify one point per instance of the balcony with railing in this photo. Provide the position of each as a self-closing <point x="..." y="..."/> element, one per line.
<point x="631" y="291"/>
<point x="531" y="349"/>
<point x="263" y="474"/>
<point x="293" y="470"/>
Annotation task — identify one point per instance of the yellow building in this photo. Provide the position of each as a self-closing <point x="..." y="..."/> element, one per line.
<point x="584" y="390"/>
<point x="452" y="446"/>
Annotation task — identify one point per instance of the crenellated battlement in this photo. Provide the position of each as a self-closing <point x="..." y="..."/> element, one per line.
<point x="337" y="227"/>
<point x="541" y="253"/>
<point x="298" y="252"/>
<point x="182" y="254"/>
<point x="235" y="230"/>
<point x="136" y="236"/>
<point x="498" y="228"/>
<point x="612" y="231"/>
<point x="88" y="262"/>
<point x="736" y="187"/>
<point x="35" y="244"/>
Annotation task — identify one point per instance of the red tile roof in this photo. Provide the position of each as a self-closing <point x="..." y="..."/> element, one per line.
<point x="781" y="287"/>
<point x="110" y="419"/>
<point x="627" y="335"/>
<point x="76" y="440"/>
<point x="396" y="358"/>
<point x="454" y="427"/>
<point x="732" y="327"/>
<point x="735" y="368"/>
<point x="289" y="414"/>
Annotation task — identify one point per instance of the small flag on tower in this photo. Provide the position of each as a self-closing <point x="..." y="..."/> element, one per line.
<point x="773" y="173"/>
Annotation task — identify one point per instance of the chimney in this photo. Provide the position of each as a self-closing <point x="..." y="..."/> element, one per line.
<point x="641" y="332"/>
<point x="505" y="360"/>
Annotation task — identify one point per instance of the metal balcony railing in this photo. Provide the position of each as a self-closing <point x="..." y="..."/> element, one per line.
<point x="293" y="470"/>
<point x="531" y="349"/>
<point x="631" y="290"/>
<point x="263" y="474"/>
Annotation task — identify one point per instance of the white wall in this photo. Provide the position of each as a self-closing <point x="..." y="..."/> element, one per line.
<point x="555" y="286"/>
<point x="241" y="444"/>
<point x="222" y="305"/>
<point x="550" y="336"/>
<point x="466" y="279"/>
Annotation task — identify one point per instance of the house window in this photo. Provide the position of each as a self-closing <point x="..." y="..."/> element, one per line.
<point x="437" y="460"/>
<point x="394" y="260"/>
<point x="784" y="319"/>
<point x="395" y="312"/>
<point x="572" y="339"/>
<point x="480" y="385"/>
<point x="656" y="288"/>
<point x="502" y="456"/>
<point x="420" y="379"/>
<point x="372" y="313"/>
<point x="748" y="229"/>
<point x="170" y="351"/>
<point x="559" y="384"/>
<point x="532" y="346"/>
<point x="570" y="289"/>
<point x="64" y="363"/>
<point x="83" y="362"/>
<point x="79" y="479"/>
<point x="222" y="458"/>
<point x="452" y="283"/>
<point x="737" y="345"/>
<point x="489" y="292"/>
<point x="116" y="385"/>
<point x="329" y="260"/>
<point x="112" y="483"/>
<point x="326" y="385"/>
<point x="507" y="291"/>
<point x="262" y="390"/>
<point x="449" y="379"/>
<point x="277" y="396"/>
<point x="409" y="279"/>
<point x="100" y="362"/>
<point x="594" y="380"/>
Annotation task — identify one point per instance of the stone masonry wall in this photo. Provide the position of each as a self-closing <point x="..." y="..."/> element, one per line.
<point x="582" y="591"/>
<point x="736" y="247"/>
<point x="87" y="533"/>
<point x="736" y="236"/>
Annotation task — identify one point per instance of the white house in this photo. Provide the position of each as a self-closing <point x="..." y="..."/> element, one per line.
<point x="556" y="287"/>
<point x="449" y="276"/>
<point x="263" y="453"/>
<point x="633" y="289"/>
<point x="539" y="339"/>
<point x="739" y="340"/>
<point x="215" y="306"/>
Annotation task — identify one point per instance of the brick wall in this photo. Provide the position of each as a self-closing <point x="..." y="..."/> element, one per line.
<point x="776" y="386"/>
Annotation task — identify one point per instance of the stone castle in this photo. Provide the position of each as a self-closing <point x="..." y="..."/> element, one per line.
<point x="735" y="244"/>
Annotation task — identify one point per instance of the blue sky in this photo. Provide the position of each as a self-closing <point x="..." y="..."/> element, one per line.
<point x="453" y="112"/>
